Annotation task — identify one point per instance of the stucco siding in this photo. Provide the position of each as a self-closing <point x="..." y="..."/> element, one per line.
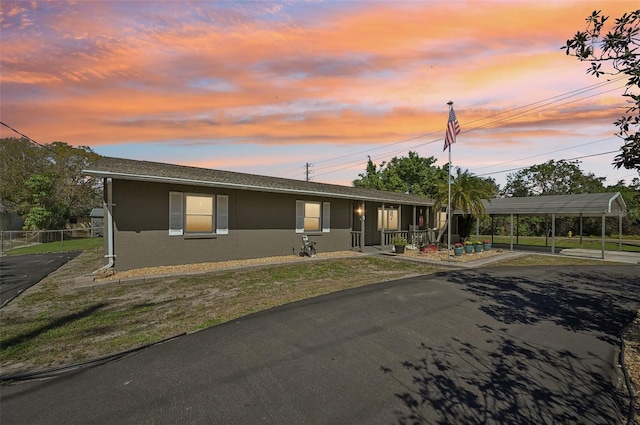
<point x="260" y="225"/>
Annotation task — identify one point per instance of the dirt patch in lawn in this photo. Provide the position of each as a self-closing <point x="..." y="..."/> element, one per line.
<point x="59" y="322"/>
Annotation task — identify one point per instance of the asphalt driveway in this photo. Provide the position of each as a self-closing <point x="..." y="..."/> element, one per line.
<point x="484" y="346"/>
<point x="19" y="272"/>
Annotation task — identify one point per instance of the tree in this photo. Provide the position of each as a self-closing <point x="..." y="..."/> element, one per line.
<point x="619" y="49"/>
<point x="19" y="160"/>
<point x="552" y="178"/>
<point x="410" y="174"/>
<point x="565" y="178"/>
<point x="631" y="196"/>
<point x="467" y="193"/>
<point x="371" y="177"/>
<point x="75" y="190"/>
<point x="46" y="211"/>
<point x="44" y="184"/>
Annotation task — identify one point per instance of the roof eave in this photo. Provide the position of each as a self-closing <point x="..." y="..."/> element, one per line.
<point x="237" y="186"/>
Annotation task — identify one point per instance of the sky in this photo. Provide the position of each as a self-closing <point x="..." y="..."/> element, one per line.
<point x="269" y="87"/>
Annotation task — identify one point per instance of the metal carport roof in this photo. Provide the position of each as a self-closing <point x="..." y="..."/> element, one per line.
<point x="584" y="204"/>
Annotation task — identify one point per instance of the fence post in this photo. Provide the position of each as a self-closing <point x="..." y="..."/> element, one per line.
<point x="61" y="240"/>
<point x="1" y="242"/>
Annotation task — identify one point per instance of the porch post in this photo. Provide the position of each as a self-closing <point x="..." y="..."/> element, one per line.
<point x="362" y="224"/>
<point x="382" y="244"/>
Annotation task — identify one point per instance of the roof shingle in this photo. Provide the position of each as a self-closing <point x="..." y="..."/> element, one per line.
<point x="129" y="169"/>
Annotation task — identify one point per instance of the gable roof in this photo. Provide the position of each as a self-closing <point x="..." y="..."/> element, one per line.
<point x="587" y="204"/>
<point x="128" y="169"/>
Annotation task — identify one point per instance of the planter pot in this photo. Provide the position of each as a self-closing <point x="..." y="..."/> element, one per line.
<point x="399" y="249"/>
<point x="478" y="248"/>
<point x="468" y="249"/>
<point x="432" y="248"/>
<point x="458" y="251"/>
<point x="487" y="247"/>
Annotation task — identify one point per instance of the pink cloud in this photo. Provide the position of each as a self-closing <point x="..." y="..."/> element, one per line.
<point x="107" y="73"/>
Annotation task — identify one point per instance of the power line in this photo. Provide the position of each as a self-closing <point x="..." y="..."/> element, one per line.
<point x="567" y="159"/>
<point x="543" y="105"/>
<point x="547" y="153"/>
<point x="27" y="137"/>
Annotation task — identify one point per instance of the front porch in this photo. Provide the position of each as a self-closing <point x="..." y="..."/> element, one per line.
<point x="415" y="239"/>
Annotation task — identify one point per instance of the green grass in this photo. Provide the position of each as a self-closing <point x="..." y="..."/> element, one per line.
<point x="68" y="245"/>
<point x="54" y="323"/>
<point x="628" y="245"/>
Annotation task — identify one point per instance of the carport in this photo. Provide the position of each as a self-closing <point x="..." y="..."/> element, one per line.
<point x="581" y="205"/>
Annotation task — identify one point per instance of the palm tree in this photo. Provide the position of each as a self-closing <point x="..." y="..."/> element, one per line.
<point x="467" y="193"/>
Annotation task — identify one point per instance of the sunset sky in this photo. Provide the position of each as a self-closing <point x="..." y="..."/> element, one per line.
<point x="265" y="87"/>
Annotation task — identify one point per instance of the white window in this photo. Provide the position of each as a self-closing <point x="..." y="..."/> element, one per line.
<point x="313" y="216"/>
<point x="197" y="214"/>
<point x="390" y="219"/>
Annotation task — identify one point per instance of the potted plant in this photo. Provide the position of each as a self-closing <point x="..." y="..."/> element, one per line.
<point x="399" y="244"/>
<point x="468" y="247"/>
<point x="458" y="249"/>
<point x="477" y="246"/>
<point x="486" y="245"/>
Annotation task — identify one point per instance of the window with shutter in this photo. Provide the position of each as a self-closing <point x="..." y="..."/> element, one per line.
<point x="313" y="216"/>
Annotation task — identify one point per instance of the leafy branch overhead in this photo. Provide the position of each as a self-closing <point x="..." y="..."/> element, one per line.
<point x="618" y="49"/>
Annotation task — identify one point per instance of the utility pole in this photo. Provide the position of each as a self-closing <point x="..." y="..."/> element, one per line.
<point x="308" y="171"/>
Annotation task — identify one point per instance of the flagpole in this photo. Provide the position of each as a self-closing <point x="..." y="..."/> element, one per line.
<point x="450" y="103"/>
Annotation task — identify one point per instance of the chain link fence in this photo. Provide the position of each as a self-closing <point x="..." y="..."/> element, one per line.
<point x="13" y="239"/>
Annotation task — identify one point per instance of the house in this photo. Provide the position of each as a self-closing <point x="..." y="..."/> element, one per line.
<point x="9" y="221"/>
<point x="162" y="214"/>
<point x="97" y="222"/>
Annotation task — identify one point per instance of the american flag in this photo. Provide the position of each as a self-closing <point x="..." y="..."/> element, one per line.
<point x="453" y="129"/>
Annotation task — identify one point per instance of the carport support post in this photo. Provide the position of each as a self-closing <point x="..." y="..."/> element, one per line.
<point x="553" y="233"/>
<point x="603" y="234"/>
<point x="619" y="231"/>
<point x="580" y="230"/>
<point x="511" y="234"/>
<point x="493" y="227"/>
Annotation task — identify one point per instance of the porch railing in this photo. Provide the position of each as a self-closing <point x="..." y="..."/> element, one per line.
<point x="415" y="238"/>
<point x="356" y="241"/>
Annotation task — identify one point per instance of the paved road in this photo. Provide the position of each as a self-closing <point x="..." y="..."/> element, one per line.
<point x="483" y="346"/>
<point x="19" y="272"/>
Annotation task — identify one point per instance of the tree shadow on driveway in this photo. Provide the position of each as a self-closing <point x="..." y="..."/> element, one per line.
<point x="592" y="299"/>
<point x="510" y="382"/>
<point x="504" y="377"/>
